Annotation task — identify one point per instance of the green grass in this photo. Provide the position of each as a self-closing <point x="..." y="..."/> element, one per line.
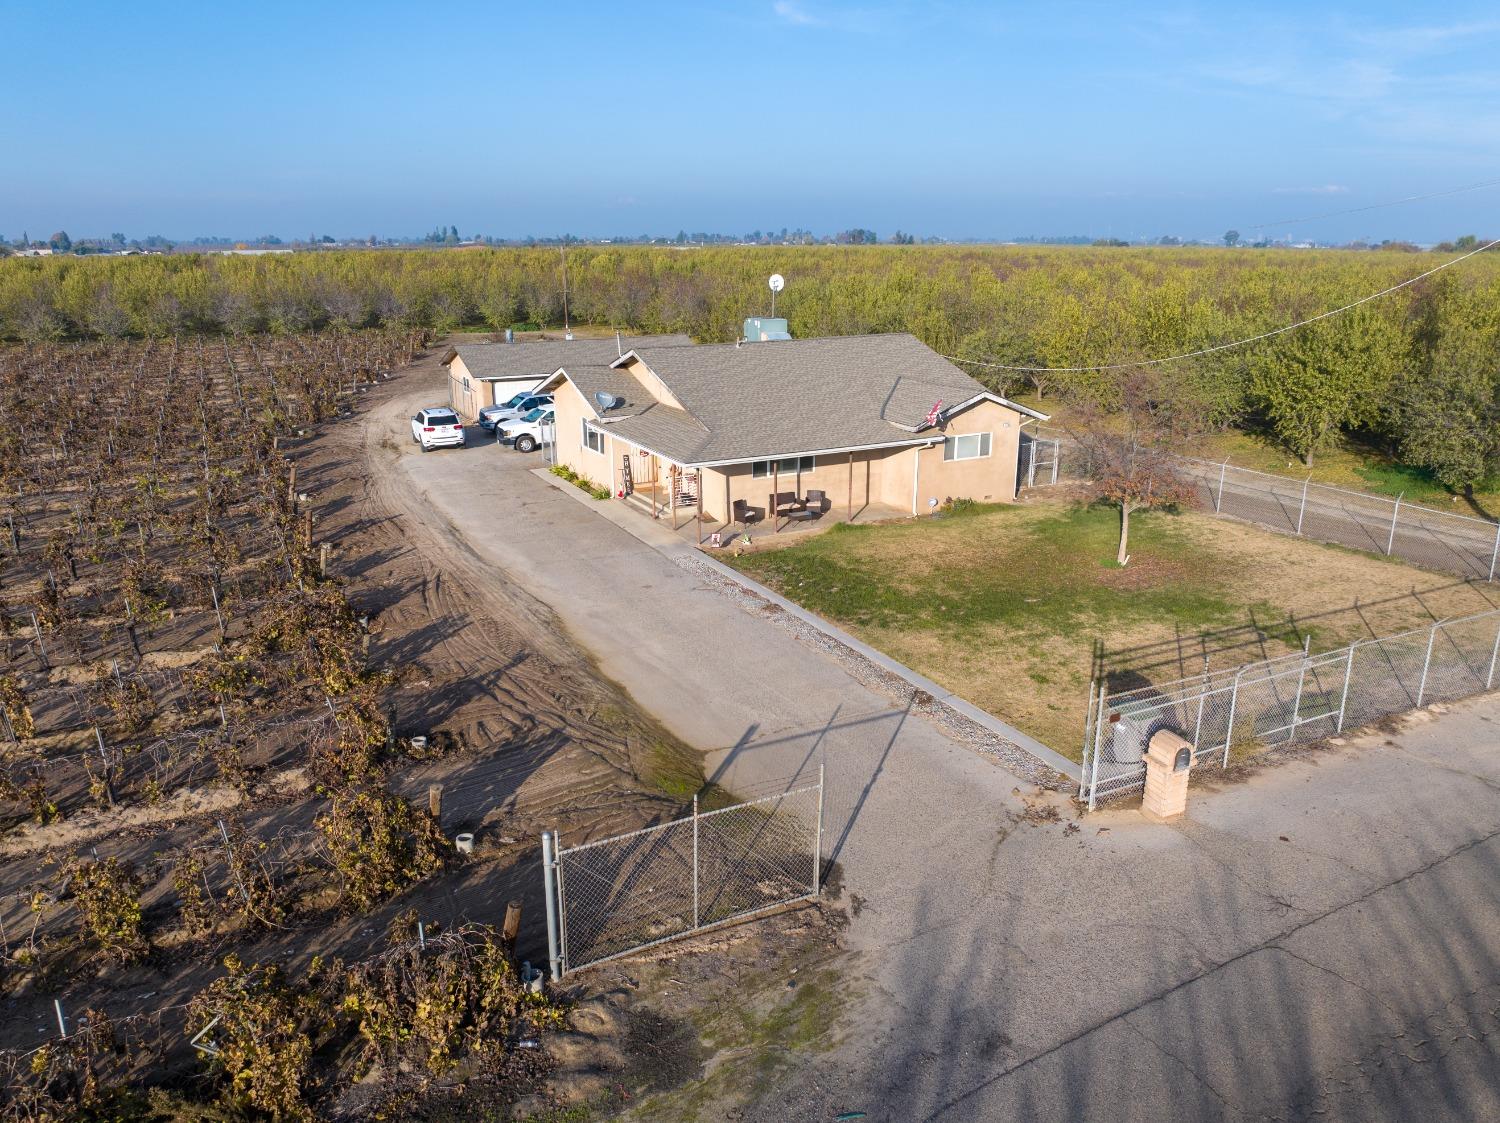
<point x="1018" y="607"/>
<point x="1032" y="574"/>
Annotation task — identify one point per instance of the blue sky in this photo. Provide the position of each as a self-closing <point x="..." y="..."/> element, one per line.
<point x="954" y="119"/>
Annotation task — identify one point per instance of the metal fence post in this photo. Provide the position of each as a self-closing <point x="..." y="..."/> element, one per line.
<point x="1301" y="511"/>
<point x="1344" y="697"/>
<point x="1390" y="543"/>
<point x="1234" y="699"/>
<point x="1031" y="464"/>
<point x="1426" y="662"/>
<point x="1056" y="456"/>
<point x="1098" y="737"/>
<point x="1219" y="498"/>
<point x="818" y="841"/>
<point x="1202" y="698"/>
<point x="1489" y="679"/>
<point x="696" y="912"/>
<point x="549" y="890"/>
<point x="1301" y="679"/>
<point x="1495" y="552"/>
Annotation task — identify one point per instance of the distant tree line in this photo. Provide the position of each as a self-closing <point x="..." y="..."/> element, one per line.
<point x="1418" y="370"/>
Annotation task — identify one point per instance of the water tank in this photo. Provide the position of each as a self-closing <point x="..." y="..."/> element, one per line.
<point x="760" y="329"/>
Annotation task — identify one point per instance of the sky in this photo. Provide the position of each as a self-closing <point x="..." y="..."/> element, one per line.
<point x="957" y="120"/>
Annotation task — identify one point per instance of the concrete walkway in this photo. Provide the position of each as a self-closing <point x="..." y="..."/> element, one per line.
<point x="1320" y="941"/>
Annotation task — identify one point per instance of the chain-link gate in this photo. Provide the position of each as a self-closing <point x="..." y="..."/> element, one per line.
<point x="1037" y="460"/>
<point x="616" y="895"/>
<point x="1298" y="697"/>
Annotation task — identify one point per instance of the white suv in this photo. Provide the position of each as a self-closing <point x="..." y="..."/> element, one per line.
<point x="526" y="432"/>
<point x="437" y="428"/>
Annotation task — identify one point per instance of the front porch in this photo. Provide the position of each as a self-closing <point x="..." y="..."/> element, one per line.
<point x="685" y="520"/>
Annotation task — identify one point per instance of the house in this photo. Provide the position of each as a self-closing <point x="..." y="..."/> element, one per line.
<point x="481" y="374"/>
<point x="877" y="423"/>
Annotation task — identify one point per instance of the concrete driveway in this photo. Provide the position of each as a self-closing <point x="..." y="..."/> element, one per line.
<point x="1320" y="941"/>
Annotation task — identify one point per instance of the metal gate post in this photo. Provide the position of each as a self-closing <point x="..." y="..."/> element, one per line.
<point x="1390" y="543"/>
<point x="696" y="913"/>
<point x="1057" y="456"/>
<point x="1234" y="699"/>
<point x="1489" y="679"/>
<point x="1495" y="553"/>
<point x="1219" y="498"/>
<point x="1426" y="662"/>
<point x="818" y="841"/>
<point x="1303" y="509"/>
<point x="1344" y="697"/>
<point x="1031" y="465"/>
<point x="1202" y="698"/>
<point x="1301" y="678"/>
<point x="1098" y="737"/>
<point x="549" y="890"/>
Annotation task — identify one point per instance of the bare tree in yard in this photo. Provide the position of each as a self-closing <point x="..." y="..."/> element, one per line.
<point x="1128" y="445"/>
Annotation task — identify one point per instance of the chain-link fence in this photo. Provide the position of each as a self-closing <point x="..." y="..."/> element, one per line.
<point x="1299" y="697"/>
<point x="1038" y="460"/>
<point x="617" y="895"/>
<point x="1440" y="540"/>
<point x="1437" y="540"/>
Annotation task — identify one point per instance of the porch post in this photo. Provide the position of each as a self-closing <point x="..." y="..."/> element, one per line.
<point x="699" y="492"/>
<point x="672" y="483"/>
<point x="775" y="491"/>
<point x="851" y="487"/>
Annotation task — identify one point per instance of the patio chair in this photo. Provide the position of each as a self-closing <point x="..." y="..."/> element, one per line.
<point x="744" y="514"/>
<point x="816" y="502"/>
<point x="784" y="502"/>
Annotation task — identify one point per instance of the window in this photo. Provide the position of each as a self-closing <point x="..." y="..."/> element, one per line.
<point x="441" y="419"/>
<point x="593" y="440"/>
<point x="969" y="446"/>
<point x="765" y="469"/>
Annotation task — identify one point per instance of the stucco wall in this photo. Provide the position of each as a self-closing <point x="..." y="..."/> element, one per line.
<point x="464" y="399"/>
<point x="570" y="409"/>
<point x="990" y="479"/>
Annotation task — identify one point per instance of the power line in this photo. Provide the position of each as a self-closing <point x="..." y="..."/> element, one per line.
<point x="1378" y="206"/>
<point x="1237" y="342"/>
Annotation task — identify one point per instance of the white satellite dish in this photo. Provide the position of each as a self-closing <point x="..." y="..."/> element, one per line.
<point x="777" y="282"/>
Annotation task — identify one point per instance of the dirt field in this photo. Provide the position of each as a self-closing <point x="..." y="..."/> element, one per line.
<point x="532" y="737"/>
<point x="1018" y="608"/>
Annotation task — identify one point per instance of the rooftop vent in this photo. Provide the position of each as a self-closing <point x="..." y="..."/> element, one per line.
<point x="762" y="329"/>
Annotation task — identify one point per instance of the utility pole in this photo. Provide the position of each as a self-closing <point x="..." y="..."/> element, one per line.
<point x="562" y="251"/>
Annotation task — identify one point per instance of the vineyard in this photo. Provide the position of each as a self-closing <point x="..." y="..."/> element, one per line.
<point x="197" y="738"/>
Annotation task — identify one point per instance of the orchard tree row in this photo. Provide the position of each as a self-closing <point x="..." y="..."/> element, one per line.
<point x="1415" y="370"/>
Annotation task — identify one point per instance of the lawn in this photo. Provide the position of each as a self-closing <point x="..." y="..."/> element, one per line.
<point x="1017" y="607"/>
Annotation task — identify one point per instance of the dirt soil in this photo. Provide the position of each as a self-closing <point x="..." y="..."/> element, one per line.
<point x="534" y="738"/>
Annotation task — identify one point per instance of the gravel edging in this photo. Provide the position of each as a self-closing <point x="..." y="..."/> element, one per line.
<point x="962" y="729"/>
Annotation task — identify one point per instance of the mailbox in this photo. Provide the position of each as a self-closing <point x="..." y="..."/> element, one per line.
<point x="1169" y="762"/>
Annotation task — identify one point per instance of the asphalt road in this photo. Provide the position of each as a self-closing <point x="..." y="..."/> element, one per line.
<point x="1320" y="941"/>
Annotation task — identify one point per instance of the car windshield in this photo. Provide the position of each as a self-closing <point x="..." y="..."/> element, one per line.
<point x="441" y="419"/>
<point x="517" y="400"/>
<point x="534" y="415"/>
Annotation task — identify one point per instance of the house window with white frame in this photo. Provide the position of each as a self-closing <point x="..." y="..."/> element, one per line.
<point x="790" y="466"/>
<point x="966" y="446"/>
<point x="593" y="440"/>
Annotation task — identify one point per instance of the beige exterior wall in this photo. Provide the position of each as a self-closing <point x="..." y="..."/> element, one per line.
<point x="465" y="393"/>
<point x="990" y="479"/>
<point x="878" y="476"/>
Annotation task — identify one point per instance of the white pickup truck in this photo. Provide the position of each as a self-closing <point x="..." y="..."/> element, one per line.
<point x="526" y="432"/>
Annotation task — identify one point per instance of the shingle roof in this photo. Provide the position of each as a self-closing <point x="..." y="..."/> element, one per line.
<point x="782" y="398"/>
<point x="539" y="358"/>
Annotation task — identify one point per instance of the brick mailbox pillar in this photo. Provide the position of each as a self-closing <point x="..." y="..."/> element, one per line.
<point x="1169" y="759"/>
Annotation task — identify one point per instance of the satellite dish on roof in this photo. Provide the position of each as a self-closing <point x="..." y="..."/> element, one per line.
<point x="777" y="283"/>
<point x="608" y="401"/>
